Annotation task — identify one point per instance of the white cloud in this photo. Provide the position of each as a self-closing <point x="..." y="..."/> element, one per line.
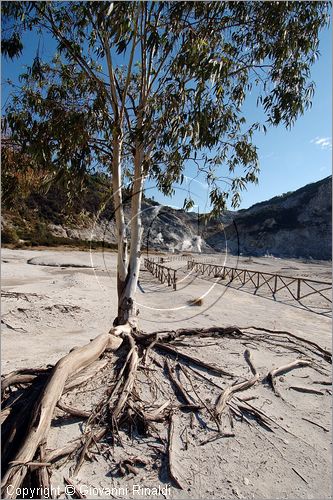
<point x="322" y="142"/>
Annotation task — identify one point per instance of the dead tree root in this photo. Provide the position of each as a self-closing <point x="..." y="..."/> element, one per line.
<point x="40" y="393"/>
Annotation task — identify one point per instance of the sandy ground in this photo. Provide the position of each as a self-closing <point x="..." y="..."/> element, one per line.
<point x="50" y="305"/>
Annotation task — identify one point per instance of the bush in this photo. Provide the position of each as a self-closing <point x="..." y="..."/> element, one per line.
<point x="9" y="235"/>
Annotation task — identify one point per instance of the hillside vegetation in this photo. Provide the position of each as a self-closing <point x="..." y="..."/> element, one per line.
<point x="296" y="224"/>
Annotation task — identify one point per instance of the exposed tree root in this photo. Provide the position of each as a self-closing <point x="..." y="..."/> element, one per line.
<point x="121" y="406"/>
<point x="229" y="391"/>
<point x="74" y="412"/>
<point x="129" y="382"/>
<point x="195" y="361"/>
<point x="284" y="369"/>
<point x="172" y="468"/>
<point x="308" y="390"/>
<point x="42" y="415"/>
<point x="20" y="295"/>
<point x="77" y="492"/>
<point x="180" y="390"/>
<point x="317" y="349"/>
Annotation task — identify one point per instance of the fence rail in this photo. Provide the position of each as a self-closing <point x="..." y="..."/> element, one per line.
<point x="298" y="288"/>
<point x="188" y="256"/>
<point x="163" y="273"/>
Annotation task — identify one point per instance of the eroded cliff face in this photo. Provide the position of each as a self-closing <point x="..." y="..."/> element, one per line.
<point x="297" y="224"/>
<point x="293" y="225"/>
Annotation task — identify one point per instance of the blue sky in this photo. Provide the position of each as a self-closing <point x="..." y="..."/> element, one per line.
<point x="289" y="159"/>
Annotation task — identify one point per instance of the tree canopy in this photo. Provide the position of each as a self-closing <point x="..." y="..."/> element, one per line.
<point x="169" y="77"/>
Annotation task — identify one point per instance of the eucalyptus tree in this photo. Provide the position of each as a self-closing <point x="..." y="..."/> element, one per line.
<point x="141" y="89"/>
<point x="144" y="88"/>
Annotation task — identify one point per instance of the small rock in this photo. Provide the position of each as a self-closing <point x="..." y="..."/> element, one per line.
<point x="235" y="492"/>
<point x="246" y="481"/>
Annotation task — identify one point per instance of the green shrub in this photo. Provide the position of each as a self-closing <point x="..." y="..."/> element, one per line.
<point x="9" y="235"/>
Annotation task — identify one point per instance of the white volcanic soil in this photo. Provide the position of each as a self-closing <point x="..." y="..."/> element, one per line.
<point x="57" y="306"/>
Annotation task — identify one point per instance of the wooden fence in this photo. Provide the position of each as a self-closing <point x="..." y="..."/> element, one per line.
<point x="189" y="256"/>
<point x="184" y="257"/>
<point x="298" y="288"/>
<point x="162" y="273"/>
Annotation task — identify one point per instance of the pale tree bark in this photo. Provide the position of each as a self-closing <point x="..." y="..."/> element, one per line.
<point x="122" y="258"/>
<point x="127" y="299"/>
<point x="128" y="271"/>
<point x="40" y="424"/>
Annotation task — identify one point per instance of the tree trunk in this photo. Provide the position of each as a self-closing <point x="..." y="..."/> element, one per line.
<point x="122" y="260"/>
<point x="127" y="307"/>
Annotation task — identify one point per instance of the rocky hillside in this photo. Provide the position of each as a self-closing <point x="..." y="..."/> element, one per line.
<point x="296" y="224"/>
